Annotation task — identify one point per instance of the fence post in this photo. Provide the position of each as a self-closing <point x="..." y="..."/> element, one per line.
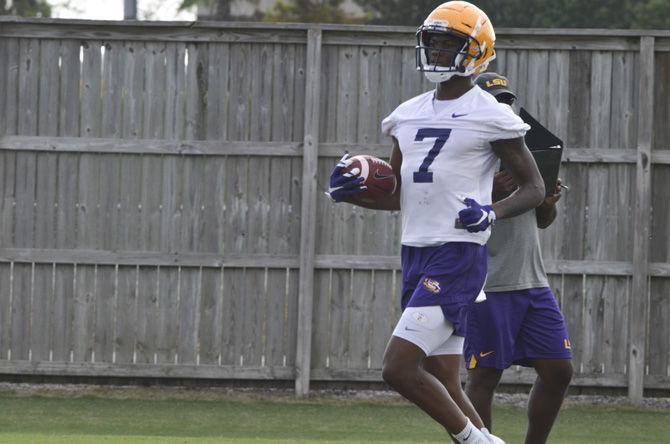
<point x="638" y="305"/>
<point x="308" y="213"/>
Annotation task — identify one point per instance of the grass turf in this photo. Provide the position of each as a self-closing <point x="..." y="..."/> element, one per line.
<point x="86" y="419"/>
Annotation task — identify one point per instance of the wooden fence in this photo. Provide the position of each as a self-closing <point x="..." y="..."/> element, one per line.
<point x="161" y="207"/>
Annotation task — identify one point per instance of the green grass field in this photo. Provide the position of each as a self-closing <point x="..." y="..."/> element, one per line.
<point x="101" y="417"/>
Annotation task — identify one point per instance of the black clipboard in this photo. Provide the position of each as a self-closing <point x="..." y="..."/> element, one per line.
<point x="546" y="148"/>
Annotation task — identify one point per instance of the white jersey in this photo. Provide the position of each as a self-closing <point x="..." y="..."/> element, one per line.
<point x="447" y="156"/>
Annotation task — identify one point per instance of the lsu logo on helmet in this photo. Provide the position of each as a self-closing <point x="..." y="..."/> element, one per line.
<point x="462" y="20"/>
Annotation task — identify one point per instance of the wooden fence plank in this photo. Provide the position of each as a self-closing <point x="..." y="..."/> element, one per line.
<point x="658" y="362"/>
<point x="537" y="92"/>
<point x="321" y="319"/>
<point x="189" y="314"/>
<point x="113" y="67"/>
<point x="168" y="306"/>
<point x="83" y="314"/>
<point x="154" y="106"/>
<point x="24" y="222"/>
<point x="639" y="303"/>
<point x="5" y="310"/>
<point x="383" y="300"/>
<point x="8" y="198"/>
<point x="300" y="92"/>
<point x="211" y="316"/>
<point x="68" y="116"/>
<point x="61" y="333"/>
<point x="579" y="119"/>
<point x="254" y="328"/>
<point x="22" y="295"/>
<point x="661" y="130"/>
<point x="359" y="313"/>
<point x="125" y="315"/>
<point x="28" y="80"/>
<point x="109" y="201"/>
<point x="308" y="212"/>
<point x="130" y="199"/>
<point x="217" y="92"/>
<point x="276" y="317"/>
<point x="45" y="201"/>
<point x="147" y="315"/>
<point x="260" y="93"/>
<point x="41" y="316"/>
<point x="282" y="92"/>
<point x="131" y="90"/>
<point x="4" y="74"/>
<point x="150" y="211"/>
<point x="624" y="106"/>
<point x="369" y="92"/>
<point x="601" y="88"/>
<point x="196" y="91"/>
<point x="238" y="105"/>
<point x="105" y="314"/>
<point x="91" y="106"/>
<point x="49" y="82"/>
<point x="573" y="309"/>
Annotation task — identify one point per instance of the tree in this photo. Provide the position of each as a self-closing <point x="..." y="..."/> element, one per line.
<point x="220" y="8"/>
<point x="651" y="14"/>
<point x="612" y="14"/>
<point x="398" y="12"/>
<point x="25" y="8"/>
<point x="311" y="11"/>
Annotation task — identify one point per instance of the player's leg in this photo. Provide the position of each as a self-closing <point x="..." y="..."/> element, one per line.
<point x="544" y="343"/>
<point x="493" y="326"/>
<point x="480" y="388"/>
<point x="403" y="371"/>
<point x="546" y="397"/>
<point x="444" y="363"/>
<point x="419" y="331"/>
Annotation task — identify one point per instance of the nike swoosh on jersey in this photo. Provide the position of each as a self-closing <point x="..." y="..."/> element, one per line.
<point x="483" y="355"/>
<point x="411" y="329"/>
<point x="454" y="115"/>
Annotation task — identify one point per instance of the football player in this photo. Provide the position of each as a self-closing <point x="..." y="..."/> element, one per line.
<point x="446" y="146"/>
<point x="519" y="322"/>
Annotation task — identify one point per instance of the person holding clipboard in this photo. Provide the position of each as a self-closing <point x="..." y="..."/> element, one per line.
<point x="520" y="322"/>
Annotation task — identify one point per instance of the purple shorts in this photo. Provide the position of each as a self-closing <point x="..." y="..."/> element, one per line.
<point x="515" y="327"/>
<point x="450" y="275"/>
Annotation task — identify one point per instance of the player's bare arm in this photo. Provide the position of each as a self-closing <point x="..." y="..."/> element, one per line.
<point x="546" y="212"/>
<point x="521" y="166"/>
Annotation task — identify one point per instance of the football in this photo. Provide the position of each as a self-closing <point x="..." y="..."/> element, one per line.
<point x="377" y="174"/>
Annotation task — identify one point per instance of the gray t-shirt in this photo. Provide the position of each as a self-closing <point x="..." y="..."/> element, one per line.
<point x="515" y="258"/>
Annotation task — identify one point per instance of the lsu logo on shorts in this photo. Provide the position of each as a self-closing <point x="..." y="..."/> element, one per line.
<point x="431" y="285"/>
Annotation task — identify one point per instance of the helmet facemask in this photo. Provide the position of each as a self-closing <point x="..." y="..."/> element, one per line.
<point x="429" y="54"/>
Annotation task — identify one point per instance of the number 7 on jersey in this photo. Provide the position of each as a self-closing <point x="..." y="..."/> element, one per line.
<point x="441" y="135"/>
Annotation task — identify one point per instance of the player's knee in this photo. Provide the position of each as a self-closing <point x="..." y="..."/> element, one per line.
<point x="395" y="373"/>
<point x="558" y="375"/>
<point x="392" y="373"/>
<point x="484" y="379"/>
<point x="564" y="375"/>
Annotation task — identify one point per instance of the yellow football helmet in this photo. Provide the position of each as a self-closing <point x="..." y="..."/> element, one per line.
<point x="462" y="20"/>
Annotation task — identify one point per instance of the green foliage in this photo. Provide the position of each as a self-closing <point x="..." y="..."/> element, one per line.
<point x="652" y="14"/>
<point x="398" y="12"/>
<point x="612" y="14"/>
<point x="311" y="11"/>
<point x="220" y="8"/>
<point x="25" y="8"/>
